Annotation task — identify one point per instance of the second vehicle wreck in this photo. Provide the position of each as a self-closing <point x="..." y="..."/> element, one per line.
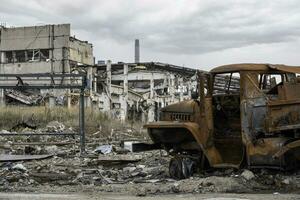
<point x="252" y="122"/>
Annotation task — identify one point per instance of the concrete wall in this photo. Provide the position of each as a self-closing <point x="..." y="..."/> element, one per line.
<point x="52" y="37"/>
<point x="81" y="52"/>
<point x="34" y="37"/>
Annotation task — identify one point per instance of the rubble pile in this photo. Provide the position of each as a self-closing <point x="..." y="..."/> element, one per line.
<point x="27" y="139"/>
<point x="109" y="167"/>
<point x="25" y="97"/>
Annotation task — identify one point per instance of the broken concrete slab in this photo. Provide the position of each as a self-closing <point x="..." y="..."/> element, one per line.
<point x="12" y="158"/>
<point x="104" y="149"/>
<point x="20" y="167"/>
<point x="119" y="158"/>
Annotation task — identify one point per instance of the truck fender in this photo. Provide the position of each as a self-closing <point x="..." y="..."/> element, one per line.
<point x="287" y="147"/>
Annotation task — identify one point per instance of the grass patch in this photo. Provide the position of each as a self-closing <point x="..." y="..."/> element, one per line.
<point x="40" y="116"/>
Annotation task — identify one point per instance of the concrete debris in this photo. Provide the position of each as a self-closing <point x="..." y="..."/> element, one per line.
<point x="286" y="181"/>
<point x="128" y="146"/>
<point x="15" y="158"/>
<point x="104" y="149"/>
<point x="55" y="126"/>
<point x="248" y="175"/>
<point x="24" y="97"/>
<point x="19" y="167"/>
<point x="4" y="132"/>
<point x="141" y="174"/>
<point x="120" y="158"/>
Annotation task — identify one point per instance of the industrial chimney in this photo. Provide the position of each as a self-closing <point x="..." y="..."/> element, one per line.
<point x="137" y="51"/>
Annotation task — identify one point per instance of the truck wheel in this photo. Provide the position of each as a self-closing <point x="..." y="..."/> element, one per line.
<point x="181" y="167"/>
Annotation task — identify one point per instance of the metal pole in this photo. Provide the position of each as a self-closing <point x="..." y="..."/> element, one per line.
<point x="81" y="123"/>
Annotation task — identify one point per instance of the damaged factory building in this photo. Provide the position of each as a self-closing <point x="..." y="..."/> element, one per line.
<point x="124" y="91"/>
<point x="41" y="49"/>
<point x="139" y="90"/>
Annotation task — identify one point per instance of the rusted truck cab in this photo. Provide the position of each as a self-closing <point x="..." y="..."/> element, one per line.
<point x="252" y="120"/>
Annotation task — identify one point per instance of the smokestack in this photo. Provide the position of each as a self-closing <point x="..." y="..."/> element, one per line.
<point x="137" y="51"/>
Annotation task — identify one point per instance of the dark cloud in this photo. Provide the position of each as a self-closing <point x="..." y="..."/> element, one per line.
<point x="178" y="27"/>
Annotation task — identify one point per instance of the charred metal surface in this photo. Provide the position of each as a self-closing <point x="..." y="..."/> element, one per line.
<point x="250" y="117"/>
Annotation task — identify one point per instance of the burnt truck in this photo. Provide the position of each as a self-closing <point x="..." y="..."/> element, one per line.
<point x="251" y="121"/>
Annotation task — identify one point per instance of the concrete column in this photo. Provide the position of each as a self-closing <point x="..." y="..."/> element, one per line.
<point x="165" y="84"/>
<point x="95" y="84"/>
<point x="2" y="58"/>
<point x="106" y="103"/>
<point x="108" y="81"/>
<point x="189" y="87"/>
<point x="123" y="110"/>
<point x="90" y="85"/>
<point x="144" y="118"/>
<point x="172" y="89"/>
<point x="151" y="112"/>
<point x="180" y="89"/>
<point x="125" y="94"/>
<point x="52" y="102"/>
<point x="152" y="87"/>
<point x="69" y="104"/>
<point x="88" y="99"/>
<point x="162" y="101"/>
<point x="2" y="96"/>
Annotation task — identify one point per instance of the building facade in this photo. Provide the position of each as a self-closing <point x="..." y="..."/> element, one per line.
<point x="42" y="49"/>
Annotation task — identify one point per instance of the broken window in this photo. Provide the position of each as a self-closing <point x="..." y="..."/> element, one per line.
<point x="20" y="56"/>
<point x="9" y="57"/>
<point x="268" y="81"/>
<point x="33" y="55"/>
<point x="278" y="85"/>
<point x="38" y="55"/>
<point x="44" y="54"/>
<point x="26" y="55"/>
<point x="227" y="83"/>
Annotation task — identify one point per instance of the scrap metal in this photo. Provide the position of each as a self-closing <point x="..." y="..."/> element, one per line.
<point x="252" y="122"/>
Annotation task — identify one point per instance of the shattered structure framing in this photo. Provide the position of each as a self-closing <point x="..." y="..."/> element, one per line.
<point x="125" y="91"/>
<point x="42" y="49"/>
<point x="39" y="81"/>
<point x="139" y="90"/>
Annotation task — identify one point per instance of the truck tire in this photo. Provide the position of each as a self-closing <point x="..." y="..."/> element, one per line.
<point x="181" y="167"/>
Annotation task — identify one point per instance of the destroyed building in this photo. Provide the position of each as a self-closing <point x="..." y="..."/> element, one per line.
<point x="41" y="49"/>
<point x="139" y="90"/>
<point x="121" y="90"/>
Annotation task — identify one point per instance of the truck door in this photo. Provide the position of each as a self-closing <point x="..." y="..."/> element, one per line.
<point x="226" y="117"/>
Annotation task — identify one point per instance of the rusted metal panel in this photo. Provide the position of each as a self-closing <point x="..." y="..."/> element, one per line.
<point x="287" y="147"/>
<point x="289" y="91"/>
<point x="283" y="115"/>
<point x="174" y="132"/>
<point x="254" y="67"/>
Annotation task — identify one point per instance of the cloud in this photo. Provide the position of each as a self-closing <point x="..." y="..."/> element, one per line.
<point x="176" y="27"/>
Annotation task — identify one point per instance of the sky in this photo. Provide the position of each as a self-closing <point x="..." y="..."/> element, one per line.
<point x="193" y="33"/>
